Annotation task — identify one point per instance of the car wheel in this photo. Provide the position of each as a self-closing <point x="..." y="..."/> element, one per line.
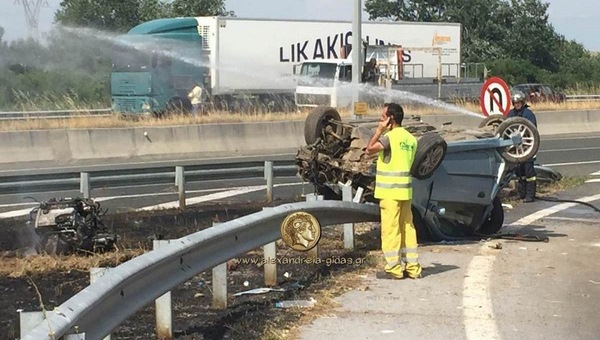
<point x="493" y="120"/>
<point x="318" y="121"/>
<point x="431" y="150"/>
<point x="493" y="223"/>
<point x="530" y="144"/>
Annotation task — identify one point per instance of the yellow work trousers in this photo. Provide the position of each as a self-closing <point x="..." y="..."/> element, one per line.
<point x="399" y="238"/>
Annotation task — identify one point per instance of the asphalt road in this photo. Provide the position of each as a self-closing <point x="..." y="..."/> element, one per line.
<point x="525" y="290"/>
<point x="572" y="155"/>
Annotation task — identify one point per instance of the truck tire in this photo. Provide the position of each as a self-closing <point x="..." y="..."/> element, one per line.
<point x="317" y="121"/>
<point x="431" y="150"/>
<point x="493" y="223"/>
<point x="493" y="120"/>
<point x="531" y="140"/>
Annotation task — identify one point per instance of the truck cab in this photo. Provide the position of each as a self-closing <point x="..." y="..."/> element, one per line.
<point x="322" y="83"/>
<point x="155" y="65"/>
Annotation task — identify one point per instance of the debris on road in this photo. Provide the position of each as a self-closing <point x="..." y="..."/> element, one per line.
<point x="68" y="225"/>
<point x="256" y="291"/>
<point x="295" y="303"/>
<point x="496" y="246"/>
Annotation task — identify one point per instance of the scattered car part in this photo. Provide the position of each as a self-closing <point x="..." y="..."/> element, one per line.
<point x="68" y="225"/>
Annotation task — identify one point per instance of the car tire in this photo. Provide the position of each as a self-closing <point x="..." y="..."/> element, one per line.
<point x="525" y="151"/>
<point x="431" y="151"/>
<point x="493" y="120"/>
<point x="317" y="121"/>
<point x="493" y="223"/>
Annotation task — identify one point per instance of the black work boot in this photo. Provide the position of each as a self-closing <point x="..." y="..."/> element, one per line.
<point x="530" y="189"/>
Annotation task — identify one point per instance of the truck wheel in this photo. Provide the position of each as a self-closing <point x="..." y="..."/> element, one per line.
<point x="431" y="150"/>
<point x="317" y="121"/>
<point x="530" y="144"/>
<point x="493" y="120"/>
<point x="493" y="223"/>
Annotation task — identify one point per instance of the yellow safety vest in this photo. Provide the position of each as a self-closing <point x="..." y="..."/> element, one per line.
<point x="393" y="179"/>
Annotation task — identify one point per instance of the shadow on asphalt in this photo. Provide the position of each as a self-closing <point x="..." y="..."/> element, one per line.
<point x="535" y="230"/>
<point x="437" y="268"/>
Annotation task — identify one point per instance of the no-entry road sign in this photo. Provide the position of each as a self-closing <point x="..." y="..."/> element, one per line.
<point x="495" y="97"/>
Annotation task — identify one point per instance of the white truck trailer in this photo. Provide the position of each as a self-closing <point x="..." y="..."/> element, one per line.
<point x="258" y="56"/>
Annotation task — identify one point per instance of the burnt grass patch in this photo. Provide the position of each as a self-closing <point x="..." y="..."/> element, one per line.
<point x="247" y="317"/>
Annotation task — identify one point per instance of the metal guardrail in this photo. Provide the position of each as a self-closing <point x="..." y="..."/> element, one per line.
<point x="583" y="97"/>
<point x="111" y="299"/>
<point x="116" y="178"/>
<point x="54" y="114"/>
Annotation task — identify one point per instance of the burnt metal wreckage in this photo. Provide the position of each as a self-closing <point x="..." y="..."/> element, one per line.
<point x="71" y="225"/>
<point x="457" y="172"/>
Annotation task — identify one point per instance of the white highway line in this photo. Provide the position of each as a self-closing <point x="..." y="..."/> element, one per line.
<point x="595" y="174"/>
<point x="572" y="149"/>
<point x="595" y="180"/>
<point x="573" y="219"/>
<point x="226" y="192"/>
<point x="212" y="197"/>
<point x="478" y="312"/>
<point x="572" y="163"/>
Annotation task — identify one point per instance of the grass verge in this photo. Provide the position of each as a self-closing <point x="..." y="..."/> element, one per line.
<point x="117" y="121"/>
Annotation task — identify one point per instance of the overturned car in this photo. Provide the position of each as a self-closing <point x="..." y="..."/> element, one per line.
<point x="69" y="225"/>
<point x="457" y="172"/>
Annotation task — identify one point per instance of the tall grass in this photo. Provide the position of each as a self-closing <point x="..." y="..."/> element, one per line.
<point x="88" y="120"/>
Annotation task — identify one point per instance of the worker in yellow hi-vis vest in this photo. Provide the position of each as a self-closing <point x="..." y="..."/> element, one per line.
<point x="396" y="147"/>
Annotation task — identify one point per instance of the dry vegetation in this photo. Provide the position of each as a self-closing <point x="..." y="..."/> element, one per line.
<point x="91" y="121"/>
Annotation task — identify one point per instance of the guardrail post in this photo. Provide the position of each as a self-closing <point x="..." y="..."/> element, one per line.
<point x="348" y="227"/>
<point x="219" y="283"/>
<point x="315" y="252"/>
<point x="270" y="260"/>
<point x="84" y="184"/>
<point x="180" y="182"/>
<point x="164" y="314"/>
<point x="29" y="321"/>
<point x="269" y="178"/>
<point x="95" y="274"/>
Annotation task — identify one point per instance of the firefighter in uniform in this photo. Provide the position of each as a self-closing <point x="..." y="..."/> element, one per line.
<point x="526" y="171"/>
<point x="396" y="148"/>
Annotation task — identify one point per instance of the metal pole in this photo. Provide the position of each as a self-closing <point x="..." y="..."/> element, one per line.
<point x="348" y="227"/>
<point x="180" y="180"/>
<point x="163" y="305"/>
<point x="270" y="258"/>
<point x="439" y="74"/>
<point x="269" y="178"/>
<point x="356" y="53"/>
<point x="84" y="186"/>
<point x="219" y="283"/>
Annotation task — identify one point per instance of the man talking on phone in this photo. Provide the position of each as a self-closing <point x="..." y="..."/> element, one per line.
<point x="396" y="147"/>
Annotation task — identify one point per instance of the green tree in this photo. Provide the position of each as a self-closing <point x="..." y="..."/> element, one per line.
<point x="120" y="16"/>
<point x="200" y="8"/>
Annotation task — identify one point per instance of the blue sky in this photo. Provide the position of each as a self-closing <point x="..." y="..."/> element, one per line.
<point x="576" y="19"/>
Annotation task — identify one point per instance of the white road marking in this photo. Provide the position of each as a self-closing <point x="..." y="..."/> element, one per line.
<point x="595" y="180"/>
<point x="219" y="193"/>
<point x="573" y="219"/>
<point x="212" y="197"/>
<point x="572" y="163"/>
<point x="595" y="174"/>
<point x="478" y="313"/>
<point x="570" y="149"/>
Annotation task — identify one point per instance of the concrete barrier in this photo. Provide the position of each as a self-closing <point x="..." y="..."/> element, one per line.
<point x="90" y="146"/>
